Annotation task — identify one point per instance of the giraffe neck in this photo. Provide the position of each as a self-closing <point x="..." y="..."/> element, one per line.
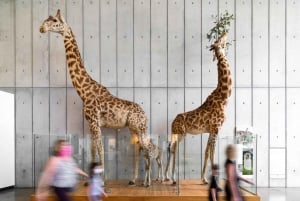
<point x="224" y="74"/>
<point x="80" y="78"/>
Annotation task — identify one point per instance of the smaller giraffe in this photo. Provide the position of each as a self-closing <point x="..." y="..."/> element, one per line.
<point x="150" y="152"/>
<point x="208" y="118"/>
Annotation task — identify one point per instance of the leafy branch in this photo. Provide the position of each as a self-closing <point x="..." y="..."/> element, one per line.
<point x="222" y="24"/>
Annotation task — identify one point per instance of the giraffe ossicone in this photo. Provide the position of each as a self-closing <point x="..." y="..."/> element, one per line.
<point x="101" y="108"/>
<point x="208" y="118"/>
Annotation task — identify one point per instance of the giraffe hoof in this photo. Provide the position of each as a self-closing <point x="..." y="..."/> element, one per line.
<point x="131" y="183"/>
<point x="204" y="182"/>
<point x="167" y="179"/>
<point x="174" y="183"/>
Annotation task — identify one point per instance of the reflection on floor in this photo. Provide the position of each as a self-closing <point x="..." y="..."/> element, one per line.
<point x="267" y="194"/>
<point x="16" y="194"/>
<point x="279" y="194"/>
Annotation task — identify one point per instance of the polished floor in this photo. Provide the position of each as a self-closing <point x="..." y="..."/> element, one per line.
<point x="266" y="194"/>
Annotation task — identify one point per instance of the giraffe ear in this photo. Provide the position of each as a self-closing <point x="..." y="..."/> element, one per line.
<point x="60" y="17"/>
<point x="58" y="13"/>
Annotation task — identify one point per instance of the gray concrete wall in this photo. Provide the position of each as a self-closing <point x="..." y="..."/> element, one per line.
<point x="154" y="53"/>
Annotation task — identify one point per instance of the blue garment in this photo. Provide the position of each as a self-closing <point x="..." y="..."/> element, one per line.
<point x="96" y="185"/>
<point x="65" y="174"/>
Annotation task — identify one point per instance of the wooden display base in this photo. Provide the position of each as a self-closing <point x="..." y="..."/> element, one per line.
<point x="189" y="190"/>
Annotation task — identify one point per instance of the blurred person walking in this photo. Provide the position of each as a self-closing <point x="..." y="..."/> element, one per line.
<point x="232" y="188"/>
<point x="60" y="173"/>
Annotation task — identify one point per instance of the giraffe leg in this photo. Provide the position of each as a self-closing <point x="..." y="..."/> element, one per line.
<point x="93" y="148"/>
<point x="160" y="169"/>
<point x="169" y="157"/>
<point x="212" y="149"/>
<point x="209" y="153"/>
<point x="136" y="163"/>
<point x="174" y="151"/>
<point x="97" y="146"/>
<point x="146" y="171"/>
<point x="204" y="180"/>
<point x="149" y="173"/>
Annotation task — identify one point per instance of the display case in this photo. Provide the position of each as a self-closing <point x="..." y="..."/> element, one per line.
<point x="119" y="161"/>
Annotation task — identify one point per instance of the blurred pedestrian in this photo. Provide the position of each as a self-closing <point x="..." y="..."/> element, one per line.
<point x="232" y="189"/>
<point x="44" y="182"/>
<point x="61" y="174"/>
<point x="214" y="187"/>
<point x="95" y="190"/>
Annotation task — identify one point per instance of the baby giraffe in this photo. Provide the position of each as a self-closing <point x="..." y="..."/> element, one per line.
<point x="150" y="152"/>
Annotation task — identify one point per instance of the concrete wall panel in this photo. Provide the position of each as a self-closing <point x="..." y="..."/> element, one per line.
<point x="40" y="45"/>
<point x="125" y="43"/>
<point x="277" y="43"/>
<point x="277" y="170"/>
<point x="243" y="106"/>
<point x="292" y="43"/>
<point x="7" y="43"/>
<point x="243" y="44"/>
<point x="260" y="43"/>
<point x="91" y="39"/>
<point x="24" y="168"/>
<point x="293" y="109"/>
<point x="58" y="111"/>
<point x="193" y="43"/>
<point x="159" y="38"/>
<point x="277" y="118"/>
<point x="41" y="111"/>
<point x="141" y="43"/>
<point x="176" y="43"/>
<point x="57" y="62"/>
<point x="108" y="43"/>
<point x="23" y="41"/>
<point x="209" y="68"/>
<point x="260" y="124"/>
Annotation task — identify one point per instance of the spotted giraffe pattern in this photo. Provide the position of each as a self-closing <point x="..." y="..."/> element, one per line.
<point x="209" y="117"/>
<point x="150" y="152"/>
<point x="101" y="108"/>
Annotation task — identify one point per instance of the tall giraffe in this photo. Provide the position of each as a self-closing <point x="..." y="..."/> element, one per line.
<point x="209" y="117"/>
<point x="101" y="108"/>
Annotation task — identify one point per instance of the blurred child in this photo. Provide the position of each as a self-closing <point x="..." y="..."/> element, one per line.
<point x="95" y="190"/>
<point x="214" y="188"/>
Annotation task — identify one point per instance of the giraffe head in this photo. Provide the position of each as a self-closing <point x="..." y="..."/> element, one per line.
<point x="144" y="140"/>
<point x="220" y="44"/>
<point x="55" y="24"/>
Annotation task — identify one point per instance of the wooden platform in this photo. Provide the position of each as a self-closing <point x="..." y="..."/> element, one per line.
<point x="189" y="190"/>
